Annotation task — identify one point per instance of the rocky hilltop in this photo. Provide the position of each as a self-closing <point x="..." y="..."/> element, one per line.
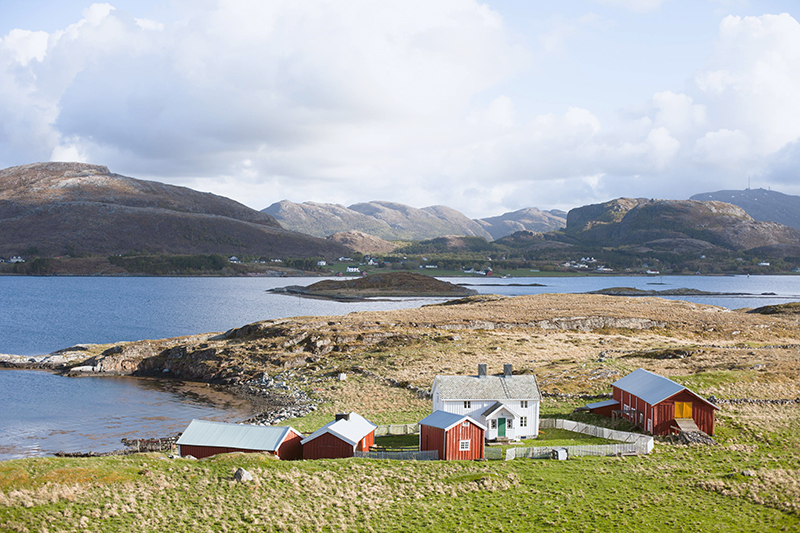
<point x="761" y="204"/>
<point x="389" y="284"/>
<point x="76" y="208"/>
<point x="387" y="220"/>
<point x="677" y="225"/>
<point x="394" y="221"/>
<point x="528" y="219"/>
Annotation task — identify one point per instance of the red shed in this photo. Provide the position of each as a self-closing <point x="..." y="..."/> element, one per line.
<point x="658" y="404"/>
<point x="204" y="438"/>
<point x="350" y="432"/>
<point x="454" y="436"/>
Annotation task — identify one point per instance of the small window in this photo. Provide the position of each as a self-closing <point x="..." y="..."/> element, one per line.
<point x="523" y="421"/>
<point x="510" y="423"/>
<point x="523" y="404"/>
<point x="467" y="404"/>
<point x="494" y="423"/>
<point x="463" y="445"/>
<point x="465" y="424"/>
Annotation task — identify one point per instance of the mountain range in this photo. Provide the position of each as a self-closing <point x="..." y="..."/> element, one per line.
<point x="75" y="208"/>
<point x="398" y="222"/>
<point x="53" y="209"/>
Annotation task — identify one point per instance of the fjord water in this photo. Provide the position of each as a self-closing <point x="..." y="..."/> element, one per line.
<point x="43" y="413"/>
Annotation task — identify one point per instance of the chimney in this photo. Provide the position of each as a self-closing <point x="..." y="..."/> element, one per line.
<point x="507" y="371"/>
<point x="482" y="370"/>
<point x="342" y="416"/>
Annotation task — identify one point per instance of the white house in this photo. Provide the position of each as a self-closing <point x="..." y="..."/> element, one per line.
<point x="507" y="405"/>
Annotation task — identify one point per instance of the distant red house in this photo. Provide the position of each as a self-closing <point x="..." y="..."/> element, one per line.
<point x="454" y="436"/>
<point x="347" y="434"/>
<point x="658" y="404"/>
<point x="203" y="438"/>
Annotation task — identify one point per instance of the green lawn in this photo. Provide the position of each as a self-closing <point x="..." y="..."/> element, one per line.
<point x="676" y="488"/>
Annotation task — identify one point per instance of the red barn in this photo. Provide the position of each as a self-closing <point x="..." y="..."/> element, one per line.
<point x="204" y="438"/>
<point x="454" y="436"/>
<point x="658" y="404"/>
<point x="350" y="432"/>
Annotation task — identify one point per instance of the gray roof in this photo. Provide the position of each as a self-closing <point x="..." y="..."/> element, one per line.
<point x="651" y="387"/>
<point x="604" y="403"/>
<point x="351" y="429"/>
<point x="496" y="406"/>
<point x="242" y="436"/>
<point x="445" y="420"/>
<point x="487" y="388"/>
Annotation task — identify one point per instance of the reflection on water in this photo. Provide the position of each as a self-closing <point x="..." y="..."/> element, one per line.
<point x="43" y="413"/>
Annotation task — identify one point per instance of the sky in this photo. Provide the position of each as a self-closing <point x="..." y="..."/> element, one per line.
<point x="482" y="106"/>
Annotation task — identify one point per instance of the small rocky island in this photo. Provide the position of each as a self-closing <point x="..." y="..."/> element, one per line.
<point x="390" y="284"/>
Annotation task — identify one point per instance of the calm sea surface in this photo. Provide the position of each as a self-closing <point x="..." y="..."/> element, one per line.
<point x="43" y="413"/>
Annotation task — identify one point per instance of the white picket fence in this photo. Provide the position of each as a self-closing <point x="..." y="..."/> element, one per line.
<point x="644" y="443"/>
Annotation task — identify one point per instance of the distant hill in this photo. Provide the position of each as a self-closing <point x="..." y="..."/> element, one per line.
<point x="75" y="208"/>
<point x="760" y="204"/>
<point x="398" y="222"/>
<point x="362" y="242"/>
<point x="530" y="219"/>
<point x="676" y="225"/>
<point x="387" y="220"/>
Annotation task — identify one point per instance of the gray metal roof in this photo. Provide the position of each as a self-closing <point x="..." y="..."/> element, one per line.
<point x="651" y="387"/>
<point x="487" y="388"/>
<point x="497" y="406"/>
<point x="604" y="403"/>
<point x="445" y="420"/>
<point x="242" y="436"/>
<point x="350" y="430"/>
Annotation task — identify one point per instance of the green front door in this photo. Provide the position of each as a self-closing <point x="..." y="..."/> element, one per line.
<point x="501" y="427"/>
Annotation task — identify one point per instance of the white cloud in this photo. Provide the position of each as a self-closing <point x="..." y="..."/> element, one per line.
<point x="633" y="5"/>
<point x="360" y="100"/>
<point x="23" y="46"/>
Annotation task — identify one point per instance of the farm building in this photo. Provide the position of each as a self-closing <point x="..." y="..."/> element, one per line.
<point x="204" y="438"/>
<point x="506" y="405"/>
<point x="658" y="404"/>
<point x="348" y="433"/>
<point x="453" y="436"/>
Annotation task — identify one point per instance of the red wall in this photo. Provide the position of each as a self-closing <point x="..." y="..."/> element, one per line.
<point x="291" y="449"/>
<point x="327" y="446"/>
<point x="663" y="413"/>
<point x="207" y="451"/>
<point x="447" y="444"/>
<point x="702" y="414"/>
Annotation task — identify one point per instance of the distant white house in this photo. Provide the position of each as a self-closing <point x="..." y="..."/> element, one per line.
<point x="355" y="270"/>
<point x="233" y="259"/>
<point x="16" y="259"/>
<point x="322" y="263"/>
<point x="761" y="264"/>
<point x="507" y="405"/>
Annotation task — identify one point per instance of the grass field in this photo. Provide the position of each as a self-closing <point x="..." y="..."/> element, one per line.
<point x="676" y="488"/>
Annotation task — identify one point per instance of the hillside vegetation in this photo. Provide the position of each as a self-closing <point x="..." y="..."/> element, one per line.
<point x="55" y="209"/>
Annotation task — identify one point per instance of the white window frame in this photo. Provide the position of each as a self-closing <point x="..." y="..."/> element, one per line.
<point x="467" y="404"/>
<point x="494" y="423"/>
<point x="463" y="445"/>
<point x="509" y="423"/>
<point x="523" y="404"/>
<point x="465" y="424"/>
<point x="523" y="421"/>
